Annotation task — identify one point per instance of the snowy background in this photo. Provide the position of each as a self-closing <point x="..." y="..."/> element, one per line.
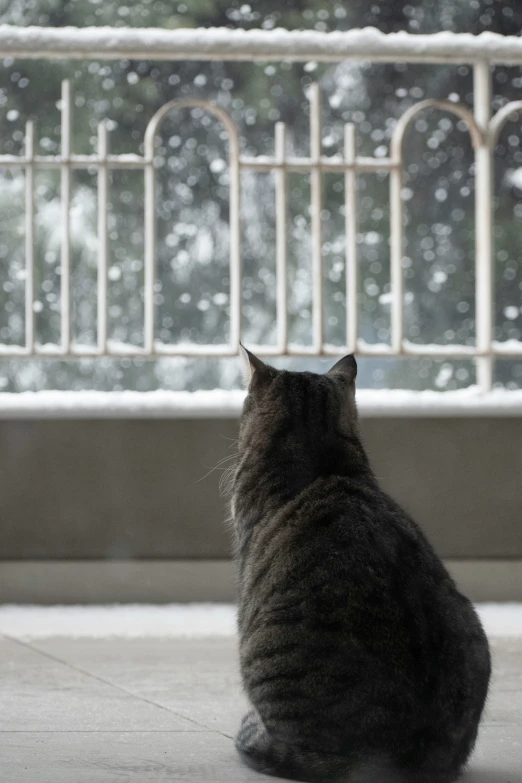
<point x="192" y="289"/>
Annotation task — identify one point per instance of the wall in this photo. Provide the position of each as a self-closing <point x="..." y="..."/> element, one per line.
<point x="95" y="491"/>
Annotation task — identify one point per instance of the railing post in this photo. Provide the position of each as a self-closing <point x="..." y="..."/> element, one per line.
<point x="29" y="237"/>
<point x="103" y="182"/>
<point x="65" y="190"/>
<point x="281" y="239"/>
<point x="235" y="239"/>
<point x="350" y="228"/>
<point x="149" y="272"/>
<point x="316" y="207"/>
<point x="484" y="286"/>
<point x="396" y="251"/>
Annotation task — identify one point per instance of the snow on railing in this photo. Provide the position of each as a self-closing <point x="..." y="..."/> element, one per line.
<point x="224" y="44"/>
<point x="369" y="44"/>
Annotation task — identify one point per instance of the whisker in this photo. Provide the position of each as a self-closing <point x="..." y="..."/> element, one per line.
<point x="217" y="466"/>
<point x="227" y="480"/>
<point x="227" y="458"/>
<point x="234" y="440"/>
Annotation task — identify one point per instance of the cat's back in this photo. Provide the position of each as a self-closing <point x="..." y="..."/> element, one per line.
<point x="342" y="572"/>
<point x="340" y="535"/>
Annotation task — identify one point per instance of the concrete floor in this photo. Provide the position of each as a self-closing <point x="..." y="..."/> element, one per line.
<point x="104" y="710"/>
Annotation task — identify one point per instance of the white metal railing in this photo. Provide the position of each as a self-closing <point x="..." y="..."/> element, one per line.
<point x="483" y="128"/>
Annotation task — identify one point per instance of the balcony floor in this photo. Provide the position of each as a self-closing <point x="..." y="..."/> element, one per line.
<point x="101" y="710"/>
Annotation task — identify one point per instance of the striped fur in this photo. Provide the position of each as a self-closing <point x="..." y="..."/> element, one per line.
<point x="361" y="660"/>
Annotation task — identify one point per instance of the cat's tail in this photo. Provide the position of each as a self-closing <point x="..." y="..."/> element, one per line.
<point x="270" y="756"/>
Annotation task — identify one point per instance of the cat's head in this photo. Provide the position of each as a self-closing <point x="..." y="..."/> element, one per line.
<point x="304" y="405"/>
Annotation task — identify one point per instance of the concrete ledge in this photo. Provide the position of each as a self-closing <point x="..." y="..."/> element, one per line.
<point x="227" y="404"/>
<point x="49" y="582"/>
<point x="144" y="490"/>
<point x="115" y="581"/>
<point x="488" y="580"/>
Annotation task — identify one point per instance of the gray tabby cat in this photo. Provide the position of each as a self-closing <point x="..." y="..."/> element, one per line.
<point x="361" y="660"/>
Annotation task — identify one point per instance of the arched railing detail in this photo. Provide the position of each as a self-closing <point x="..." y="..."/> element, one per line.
<point x="150" y="217"/>
<point x="500" y="118"/>
<point x="396" y="209"/>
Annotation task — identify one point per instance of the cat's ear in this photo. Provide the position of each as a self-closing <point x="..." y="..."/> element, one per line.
<point x="250" y="364"/>
<point x="347" y="367"/>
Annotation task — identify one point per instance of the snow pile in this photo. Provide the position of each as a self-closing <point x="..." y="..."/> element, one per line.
<point x="461" y="402"/>
<point x="224" y="44"/>
<point x="220" y="403"/>
<point x="121" y="404"/>
<point x="175" y="621"/>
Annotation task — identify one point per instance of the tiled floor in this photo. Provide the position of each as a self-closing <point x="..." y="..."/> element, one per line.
<point x="165" y="710"/>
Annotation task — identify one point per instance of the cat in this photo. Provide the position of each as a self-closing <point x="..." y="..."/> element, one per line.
<point x="361" y="660"/>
